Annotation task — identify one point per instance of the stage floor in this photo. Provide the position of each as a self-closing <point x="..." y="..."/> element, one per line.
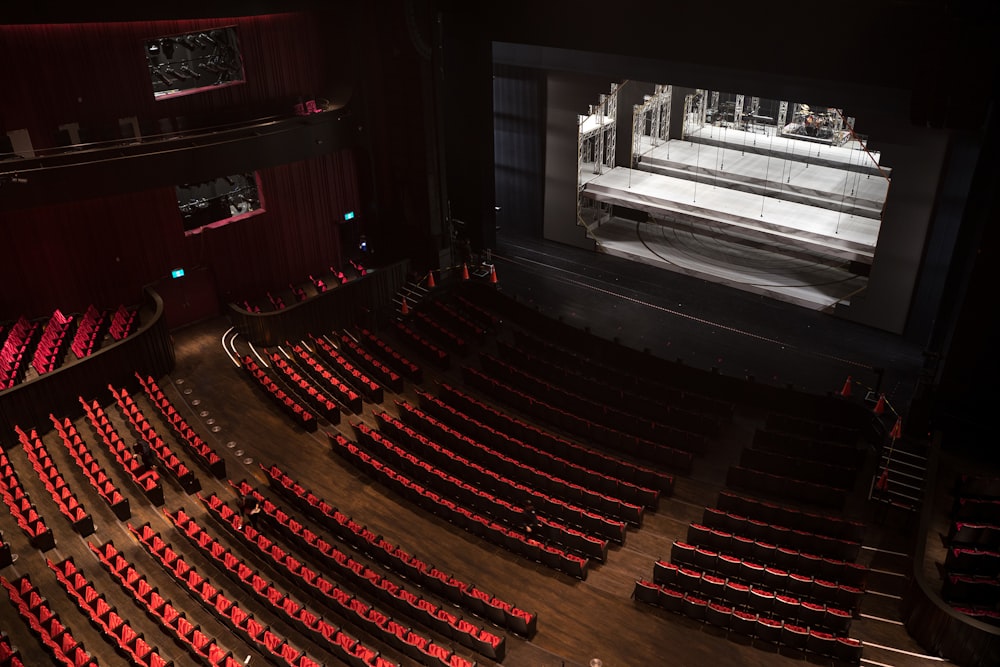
<point x="714" y="253"/>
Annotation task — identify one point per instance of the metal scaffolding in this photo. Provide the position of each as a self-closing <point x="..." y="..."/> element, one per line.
<point x="651" y="119"/>
<point x="597" y="137"/>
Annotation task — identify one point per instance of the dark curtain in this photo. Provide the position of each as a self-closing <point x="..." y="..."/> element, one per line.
<point x="96" y="73"/>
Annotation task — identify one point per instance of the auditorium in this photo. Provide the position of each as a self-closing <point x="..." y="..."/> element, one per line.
<point x="559" y="334"/>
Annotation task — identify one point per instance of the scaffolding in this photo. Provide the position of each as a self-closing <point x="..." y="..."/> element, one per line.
<point x="597" y="137"/>
<point x="651" y="121"/>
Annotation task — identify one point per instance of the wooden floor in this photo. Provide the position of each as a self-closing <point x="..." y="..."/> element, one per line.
<point x="577" y="620"/>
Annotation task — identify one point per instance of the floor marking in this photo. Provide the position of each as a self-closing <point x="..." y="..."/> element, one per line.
<point x="910" y="653"/>
<point x="885" y="551"/>
<point x="877" y="664"/>
<point x="879" y="618"/>
<point x="894" y="574"/>
<point x="885" y="595"/>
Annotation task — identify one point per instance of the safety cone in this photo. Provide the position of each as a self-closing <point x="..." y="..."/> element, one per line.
<point x="465" y="271"/>
<point x="493" y="275"/>
<point x="897" y="429"/>
<point x="883" y="480"/>
<point x="404" y="309"/>
<point x="880" y="405"/>
<point x="430" y="280"/>
<point x="846" y="391"/>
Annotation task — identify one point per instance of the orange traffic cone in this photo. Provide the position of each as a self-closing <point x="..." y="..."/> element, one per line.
<point x="404" y="309"/>
<point x="897" y="429"/>
<point x="493" y="275"/>
<point x="430" y="280"/>
<point x="846" y="391"/>
<point x="880" y="406"/>
<point x="883" y="480"/>
<point x="465" y="271"/>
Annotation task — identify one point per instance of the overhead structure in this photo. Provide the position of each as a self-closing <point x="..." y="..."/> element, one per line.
<point x="597" y="136"/>
<point x="651" y="121"/>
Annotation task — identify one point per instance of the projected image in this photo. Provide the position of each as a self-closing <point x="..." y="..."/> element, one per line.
<point x="194" y="62"/>
<point x="219" y="201"/>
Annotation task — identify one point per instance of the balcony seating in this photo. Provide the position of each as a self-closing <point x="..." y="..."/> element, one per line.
<point x="499" y="611"/>
<point x="304" y="388"/>
<point x="146" y="432"/>
<point x="569" y="492"/>
<point x="476" y="312"/>
<point x="821" y="524"/>
<point x="569" y="562"/>
<point x="345" y="395"/>
<point x="380" y="371"/>
<point x="104" y="617"/>
<point x="349" y="372"/>
<point x="638" y="484"/>
<point x="62" y="495"/>
<point x="223" y="607"/>
<point x="145" y="479"/>
<point x="21" y="508"/>
<point x="276" y="301"/>
<point x="799" y="468"/>
<point x="387" y="451"/>
<point x="124" y="322"/>
<point x="292" y="408"/>
<point x="789" y="444"/>
<point x="392" y="358"/>
<point x="785" y="488"/>
<point x="577" y="423"/>
<point x="53" y="343"/>
<point x="455" y="321"/>
<point x="441" y="332"/>
<point x="91" y="326"/>
<point x="56" y="638"/>
<point x="21" y="337"/>
<point x="199" y="450"/>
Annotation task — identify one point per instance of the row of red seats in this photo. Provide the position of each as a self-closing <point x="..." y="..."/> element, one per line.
<point x="812" y="428"/>
<point x="91" y="468"/>
<point x="790" y="444"/>
<point x="228" y="611"/>
<point x="626" y="443"/>
<point x="15" y="347"/>
<point x="733" y="567"/>
<point x="394" y="557"/>
<point x="55" y="637"/>
<point x="276" y="301"/>
<point x="146" y="479"/>
<point x="570" y="492"/>
<point x="347" y="397"/>
<point x="300" y="294"/>
<point x="53" y="343"/>
<point x="976" y="509"/>
<point x="250" y="308"/>
<point x="9" y="656"/>
<point x="288" y="404"/>
<point x="305" y="388"/>
<point x="21" y="507"/>
<point x="172" y="620"/>
<point x="976" y="486"/>
<point x="513" y="540"/>
<point x="392" y="357"/>
<point x="834" y="526"/>
<point x="268" y="594"/>
<point x="145" y="430"/>
<point x="318" y="283"/>
<point x="797" y="466"/>
<point x="782" y="536"/>
<point x="54" y="482"/>
<point x="756" y="598"/>
<point x="441" y="332"/>
<point x="597" y="412"/>
<point x="202" y="452"/>
<point x="971" y="589"/>
<point x="123" y="323"/>
<point x="649" y="412"/>
<point x="382" y="373"/>
<point x="784" y="487"/>
<point x="595" y="364"/>
<point x="364" y="578"/>
<point x="777" y="547"/>
<point x="457" y="320"/>
<point x="485" y="317"/>
<point x="475" y="473"/>
<point x="114" y="628"/>
<point x="972" y="560"/>
<point x="770" y="632"/>
<point x="478" y="498"/>
<point x="440" y="357"/>
<point x="88" y="332"/>
<point x="352" y="375"/>
<point x="616" y="477"/>
<point x="969" y="533"/>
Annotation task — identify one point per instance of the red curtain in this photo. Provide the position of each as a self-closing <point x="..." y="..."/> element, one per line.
<point x="96" y="73"/>
<point x="103" y="251"/>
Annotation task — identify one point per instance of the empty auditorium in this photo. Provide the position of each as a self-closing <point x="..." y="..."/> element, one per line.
<point x="537" y="334"/>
